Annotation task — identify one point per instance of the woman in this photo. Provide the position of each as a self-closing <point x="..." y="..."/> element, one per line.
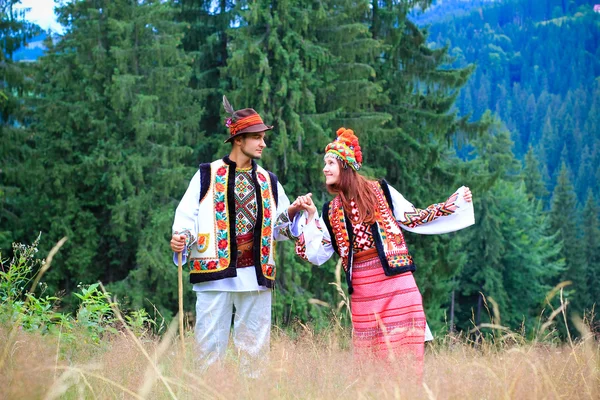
<point x="362" y="224"/>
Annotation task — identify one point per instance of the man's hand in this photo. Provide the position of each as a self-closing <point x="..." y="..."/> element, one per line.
<point x="178" y="243"/>
<point x="293" y="210"/>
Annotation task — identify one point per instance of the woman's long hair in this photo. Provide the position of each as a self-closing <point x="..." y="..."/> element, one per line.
<point x="353" y="186"/>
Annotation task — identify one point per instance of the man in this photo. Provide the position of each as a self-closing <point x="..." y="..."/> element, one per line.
<point x="226" y="224"/>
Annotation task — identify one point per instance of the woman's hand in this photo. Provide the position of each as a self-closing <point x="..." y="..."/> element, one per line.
<point x="303" y="203"/>
<point x="450" y="204"/>
<point x="295" y="207"/>
<point x="467" y="195"/>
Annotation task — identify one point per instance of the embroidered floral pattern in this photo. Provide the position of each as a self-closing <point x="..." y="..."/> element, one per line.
<point x="388" y="226"/>
<point x="266" y="229"/>
<point x="202" y="242"/>
<point x="338" y="226"/>
<point x="219" y="242"/>
<point x="399" y="260"/>
<point x="221" y="226"/>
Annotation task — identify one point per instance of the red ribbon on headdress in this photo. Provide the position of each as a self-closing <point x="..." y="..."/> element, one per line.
<point x="243" y="123"/>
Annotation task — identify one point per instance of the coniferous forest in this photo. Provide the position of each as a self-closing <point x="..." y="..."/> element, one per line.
<point x="101" y="135"/>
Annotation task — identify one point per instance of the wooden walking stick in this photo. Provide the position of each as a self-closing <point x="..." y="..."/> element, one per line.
<point x="180" y="278"/>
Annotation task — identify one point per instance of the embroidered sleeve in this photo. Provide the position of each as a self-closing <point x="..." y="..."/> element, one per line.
<point x="434" y="211"/>
<point x="283" y="224"/>
<point x="412" y="217"/>
<point x="314" y="243"/>
<point x="453" y="215"/>
<point x="301" y="247"/>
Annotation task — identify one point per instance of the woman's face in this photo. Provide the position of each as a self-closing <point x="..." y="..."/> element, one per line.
<point x="331" y="171"/>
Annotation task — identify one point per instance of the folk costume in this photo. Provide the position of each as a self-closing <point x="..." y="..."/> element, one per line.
<point x="386" y="305"/>
<point x="231" y="218"/>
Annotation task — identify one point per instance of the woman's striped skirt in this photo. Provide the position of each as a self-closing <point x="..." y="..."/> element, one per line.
<point x="387" y="313"/>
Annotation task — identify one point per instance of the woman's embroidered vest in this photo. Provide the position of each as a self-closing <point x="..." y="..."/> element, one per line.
<point x="387" y="234"/>
<point x="214" y="254"/>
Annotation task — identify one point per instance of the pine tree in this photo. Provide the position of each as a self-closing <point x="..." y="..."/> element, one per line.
<point x="563" y="223"/>
<point x="585" y="175"/>
<point x="482" y="272"/>
<point x="532" y="176"/>
<point x="206" y="40"/>
<point x="116" y="118"/>
<point x="357" y="89"/>
<point x="15" y="87"/>
<point x="530" y="263"/>
<point x="510" y="256"/>
<point x="591" y="247"/>
<point x="528" y="123"/>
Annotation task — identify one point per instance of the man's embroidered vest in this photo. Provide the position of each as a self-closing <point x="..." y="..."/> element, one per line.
<point x="387" y="234"/>
<point x="214" y="255"/>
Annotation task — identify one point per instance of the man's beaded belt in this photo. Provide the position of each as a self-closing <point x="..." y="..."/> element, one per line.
<point x="245" y="247"/>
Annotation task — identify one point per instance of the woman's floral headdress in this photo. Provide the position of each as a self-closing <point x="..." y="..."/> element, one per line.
<point x="345" y="148"/>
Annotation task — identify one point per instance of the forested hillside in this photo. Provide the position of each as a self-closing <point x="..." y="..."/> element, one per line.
<point x="101" y="135"/>
<point x="538" y="68"/>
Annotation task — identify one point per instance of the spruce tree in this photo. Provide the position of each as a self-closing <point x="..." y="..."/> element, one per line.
<point x="563" y="223"/>
<point x="510" y="256"/>
<point x="206" y="40"/>
<point x="15" y="88"/>
<point x="116" y="117"/>
<point x="532" y="176"/>
<point x="586" y="181"/>
<point x="591" y="247"/>
<point x="484" y="243"/>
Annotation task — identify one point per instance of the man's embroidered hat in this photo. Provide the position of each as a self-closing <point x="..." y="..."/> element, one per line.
<point x="243" y="121"/>
<point x="345" y="148"/>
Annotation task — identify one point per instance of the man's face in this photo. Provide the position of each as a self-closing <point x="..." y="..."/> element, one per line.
<point x="252" y="144"/>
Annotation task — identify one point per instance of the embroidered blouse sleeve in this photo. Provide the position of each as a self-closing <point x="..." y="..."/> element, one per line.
<point x="283" y="224"/>
<point x="314" y="243"/>
<point x="453" y="214"/>
<point x="186" y="215"/>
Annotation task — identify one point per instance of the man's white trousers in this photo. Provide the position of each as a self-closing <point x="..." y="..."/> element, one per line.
<point x="251" y="325"/>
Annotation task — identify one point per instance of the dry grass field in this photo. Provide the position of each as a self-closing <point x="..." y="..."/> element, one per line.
<point x="307" y="367"/>
<point x="84" y="358"/>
